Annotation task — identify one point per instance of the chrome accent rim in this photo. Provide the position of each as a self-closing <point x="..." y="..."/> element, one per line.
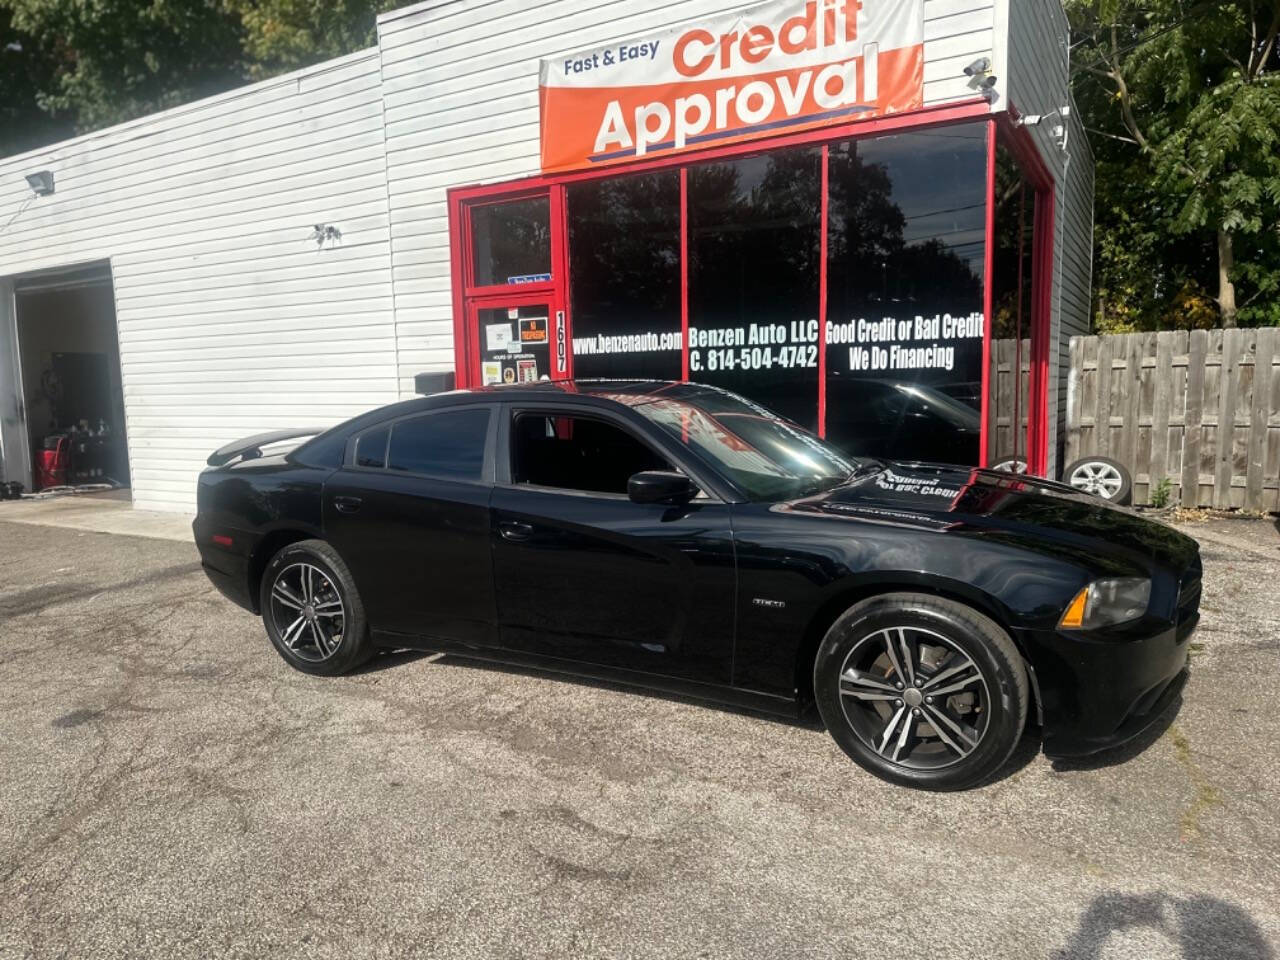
<point x="914" y="697"/>
<point x="307" y="611"/>
<point x="1011" y="466"/>
<point x="1100" y="479"/>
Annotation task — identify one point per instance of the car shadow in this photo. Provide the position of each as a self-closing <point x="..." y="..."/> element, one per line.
<point x="809" y="720"/>
<point x="1122" y="754"/>
<point x="390" y="659"/>
<point x="1197" y="926"/>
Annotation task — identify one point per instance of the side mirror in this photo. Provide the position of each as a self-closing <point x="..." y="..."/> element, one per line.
<point x="661" y="486"/>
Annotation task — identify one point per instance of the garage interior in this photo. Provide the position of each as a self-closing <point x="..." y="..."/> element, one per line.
<point x="72" y="395"/>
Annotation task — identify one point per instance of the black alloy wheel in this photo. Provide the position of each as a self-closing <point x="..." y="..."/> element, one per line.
<point x="921" y="691"/>
<point x="312" y="611"/>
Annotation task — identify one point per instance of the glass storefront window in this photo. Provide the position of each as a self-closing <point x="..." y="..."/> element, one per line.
<point x="754" y="241"/>
<point x="511" y="242"/>
<point x="624" y="270"/>
<point x="905" y="272"/>
<point x="906" y="245"/>
<point x="1011" y="307"/>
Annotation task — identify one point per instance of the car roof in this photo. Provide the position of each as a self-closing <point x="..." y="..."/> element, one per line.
<point x="580" y="388"/>
<point x="603" y="392"/>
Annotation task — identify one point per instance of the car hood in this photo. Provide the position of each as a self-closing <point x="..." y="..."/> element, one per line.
<point x="1026" y="510"/>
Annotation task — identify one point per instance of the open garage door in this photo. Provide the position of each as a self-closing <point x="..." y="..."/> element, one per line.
<point x="67" y="388"/>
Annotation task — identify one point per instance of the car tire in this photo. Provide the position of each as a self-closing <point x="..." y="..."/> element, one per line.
<point x="1101" y="476"/>
<point x="957" y="740"/>
<point x="312" y="610"/>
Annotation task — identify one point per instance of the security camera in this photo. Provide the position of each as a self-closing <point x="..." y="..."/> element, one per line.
<point x="989" y="81"/>
<point x="978" y="67"/>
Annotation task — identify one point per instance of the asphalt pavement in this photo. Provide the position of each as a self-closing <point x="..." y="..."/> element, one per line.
<point x="169" y="788"/>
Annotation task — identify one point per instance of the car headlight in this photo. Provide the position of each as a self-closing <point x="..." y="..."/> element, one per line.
<point x="1106" y="602"/>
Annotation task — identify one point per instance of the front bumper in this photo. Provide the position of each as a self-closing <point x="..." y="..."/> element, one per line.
<point x="1099" y="694"/>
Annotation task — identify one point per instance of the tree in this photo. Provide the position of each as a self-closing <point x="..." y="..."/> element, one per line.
<point x="74" y="67"/>
<point x="26" y="67"/>
<point x="1184" y="104"/>
<point x="282" y="35"/>
<point x="118" y="59"/>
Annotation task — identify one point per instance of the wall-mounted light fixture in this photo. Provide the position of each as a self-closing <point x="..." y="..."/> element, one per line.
<point x="41" y="182"/>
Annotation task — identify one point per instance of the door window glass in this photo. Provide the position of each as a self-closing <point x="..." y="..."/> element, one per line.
<point x="449" y="444"/>
<point x="511" y="241"/>
<point x="624" y="276"/>
<point x="371" y="448"/>
<point x="515" y="343"/>
<point x="577" y="453"/>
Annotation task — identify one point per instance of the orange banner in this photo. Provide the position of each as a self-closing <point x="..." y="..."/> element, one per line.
<point x="783" y="67"/>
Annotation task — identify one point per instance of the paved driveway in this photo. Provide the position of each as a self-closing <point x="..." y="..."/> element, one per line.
<point x="169" y="787"/>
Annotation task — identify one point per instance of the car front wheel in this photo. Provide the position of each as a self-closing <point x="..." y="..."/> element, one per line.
<point x="921" y="691"/>
<point x="312" y="611"/>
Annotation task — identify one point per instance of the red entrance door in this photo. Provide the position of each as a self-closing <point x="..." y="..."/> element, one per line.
<point x="516" y="339"/>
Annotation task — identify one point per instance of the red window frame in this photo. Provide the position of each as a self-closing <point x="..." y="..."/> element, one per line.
<point x="467" y="297"/>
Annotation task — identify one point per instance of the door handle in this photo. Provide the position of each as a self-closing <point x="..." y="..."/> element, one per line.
<point x="347" y="504"/>
<point x="515" y="531"/>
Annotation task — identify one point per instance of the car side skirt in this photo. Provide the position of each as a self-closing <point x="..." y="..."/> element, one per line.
<point x="641" y="682"/>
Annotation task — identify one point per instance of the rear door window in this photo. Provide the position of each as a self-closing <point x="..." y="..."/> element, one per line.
<point x="371" y="448"/>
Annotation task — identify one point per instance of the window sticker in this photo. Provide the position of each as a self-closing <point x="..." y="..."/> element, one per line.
<point x="533" y="330"/>
<point x="528" y="370"/>
<point x="498" y="336"/>
<point x="491" y="372"/>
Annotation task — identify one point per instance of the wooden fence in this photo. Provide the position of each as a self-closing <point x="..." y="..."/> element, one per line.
<point x="1201" y="408"/>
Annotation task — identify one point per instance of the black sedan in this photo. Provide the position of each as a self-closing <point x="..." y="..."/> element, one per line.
<point x="678" y="537"/>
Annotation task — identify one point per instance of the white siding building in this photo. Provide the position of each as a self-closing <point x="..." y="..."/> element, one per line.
<point x="232" y="317"/>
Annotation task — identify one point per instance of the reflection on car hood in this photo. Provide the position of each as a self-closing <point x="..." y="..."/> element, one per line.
<point x="944" y="497"/>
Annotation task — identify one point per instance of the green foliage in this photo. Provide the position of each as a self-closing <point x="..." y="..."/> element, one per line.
<point x="117" y="59"/>
<point x="71" y="66"/>
<point x="1182" y="100"/>
<point x="26" y="67"/>
<point x="282" y="35"/>
<point x="1161" y="493"/>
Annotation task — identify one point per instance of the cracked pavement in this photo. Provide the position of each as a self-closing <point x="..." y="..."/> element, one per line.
<point x="169" y="787"/>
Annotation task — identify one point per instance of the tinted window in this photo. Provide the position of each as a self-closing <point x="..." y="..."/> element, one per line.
<point x="325" y="450"/>
<point x="755" y="229"/>
<point x="441" y="444"/>
<point x="624" y="276"/>
<point x="577" y="453"/>
<point x="906" y="244"/>
<point x="511" y="242"/>
<point x="371" y="448"/>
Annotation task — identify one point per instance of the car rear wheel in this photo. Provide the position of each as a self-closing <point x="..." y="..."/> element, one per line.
<point x="921" y="691"/>
<point x="312" y="611"/>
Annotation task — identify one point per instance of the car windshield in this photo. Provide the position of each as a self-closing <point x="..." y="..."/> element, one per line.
<point x="767" y="457"/>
